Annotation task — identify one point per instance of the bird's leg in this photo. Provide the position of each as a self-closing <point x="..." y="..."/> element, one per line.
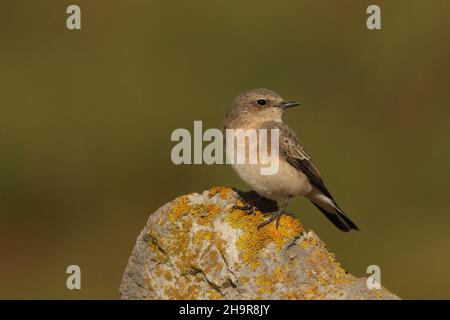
<point x="248" y="209"/>
<point x="277" y="215"/>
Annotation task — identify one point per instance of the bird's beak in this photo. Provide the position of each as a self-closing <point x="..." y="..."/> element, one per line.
<point x="288" y="104"/>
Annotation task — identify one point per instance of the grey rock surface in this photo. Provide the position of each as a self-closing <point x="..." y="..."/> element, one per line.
<point x="200" y="247"/>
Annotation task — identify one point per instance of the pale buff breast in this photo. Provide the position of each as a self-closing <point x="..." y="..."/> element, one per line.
<point x="288" y="182"/>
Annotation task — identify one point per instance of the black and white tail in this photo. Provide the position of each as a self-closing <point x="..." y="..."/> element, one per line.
<point x="331" y="210"/>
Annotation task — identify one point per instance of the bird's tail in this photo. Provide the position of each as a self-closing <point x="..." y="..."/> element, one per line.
<point x="331" y="210"/>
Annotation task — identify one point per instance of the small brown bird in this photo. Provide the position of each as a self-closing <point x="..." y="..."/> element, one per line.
<point x="297" y="175"/>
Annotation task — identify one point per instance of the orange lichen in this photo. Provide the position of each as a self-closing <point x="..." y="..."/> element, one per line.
<point x="223" y="192"/>
<point x="200" y="236"/>
<point x="186" y="288"/>
<point x="204" y="214"/>
<point x="324" y="274"/>
<point x="168" y="275"/>
<point x="278" y="273"/>
<point x="213" y="295"/>
<point x="377" y="293"/>
<point x="180" y="241"/>
<point x="311" y="292"/>
<point x="187" y="246"/>
<point x="244" y="279"/>
<point x="181" y="207"/>
<point x="158" y="270"/>
<point x="197" y="249"/>
<point x="289" y="295"/>
<point x="264" y="283"/>
<point x="253" y="240"/>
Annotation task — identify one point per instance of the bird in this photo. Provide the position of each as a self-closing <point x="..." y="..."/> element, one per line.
<point x="297" y="175"/>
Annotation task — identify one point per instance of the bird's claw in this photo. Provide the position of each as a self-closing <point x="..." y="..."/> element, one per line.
<point x="275" y="216"/>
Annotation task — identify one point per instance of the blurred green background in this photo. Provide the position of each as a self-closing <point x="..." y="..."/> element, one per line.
<point x="86" y="118"/>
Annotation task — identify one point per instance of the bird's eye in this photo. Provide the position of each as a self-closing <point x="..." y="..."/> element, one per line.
<point x="261" y="102"/>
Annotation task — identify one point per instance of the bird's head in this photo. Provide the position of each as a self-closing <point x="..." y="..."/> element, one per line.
<point x="261" y="103"/>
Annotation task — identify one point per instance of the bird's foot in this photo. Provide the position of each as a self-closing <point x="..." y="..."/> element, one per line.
<point x="275" y="216"/>
<point x="248" y="209"/>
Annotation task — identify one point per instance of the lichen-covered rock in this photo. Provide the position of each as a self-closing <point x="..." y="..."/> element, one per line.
<point x="200" y="247"/>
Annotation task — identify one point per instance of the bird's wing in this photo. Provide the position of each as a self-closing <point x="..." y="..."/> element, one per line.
<point x="292" y="151"/>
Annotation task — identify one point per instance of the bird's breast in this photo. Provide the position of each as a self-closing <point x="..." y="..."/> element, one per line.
<point x="287" y="182"/>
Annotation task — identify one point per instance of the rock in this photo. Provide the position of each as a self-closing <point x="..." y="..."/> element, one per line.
<point x="200" y="247"/>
